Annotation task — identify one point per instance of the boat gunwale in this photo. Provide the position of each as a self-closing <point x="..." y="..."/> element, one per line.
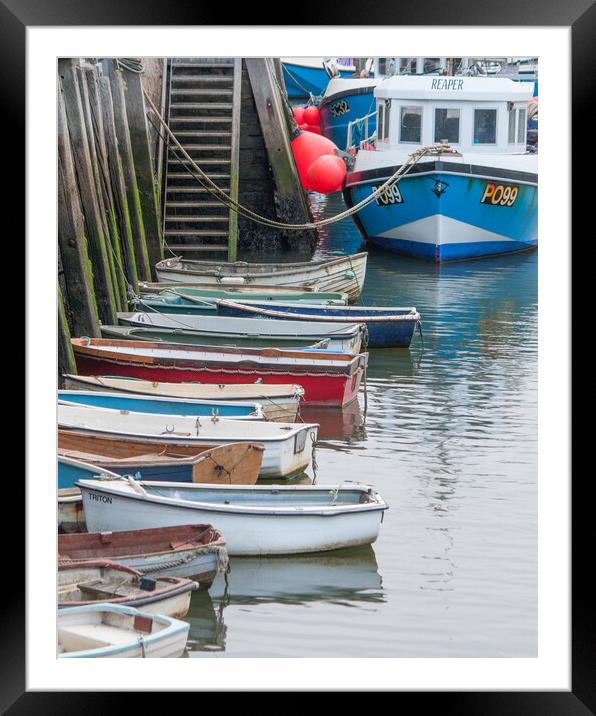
<point x="248" y="308"/>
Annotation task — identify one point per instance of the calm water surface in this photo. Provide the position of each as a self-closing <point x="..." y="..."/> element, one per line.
<point x="450" y="441"/>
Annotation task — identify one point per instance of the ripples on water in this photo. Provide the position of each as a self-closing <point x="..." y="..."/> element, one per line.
<point x="450" y="441"/>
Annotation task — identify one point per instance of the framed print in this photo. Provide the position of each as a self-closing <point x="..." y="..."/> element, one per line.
<point x="321" y="273"/>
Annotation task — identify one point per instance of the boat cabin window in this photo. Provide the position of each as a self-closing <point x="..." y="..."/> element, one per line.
<point x="380" y="120"/>
<point x="521" y="126"/>
<point x="447" y="125"/>
<point x="385" y="135"/>
<point x="410" y="126"/>
<point x="485" y="126"/>
<point x="511" y="134"/>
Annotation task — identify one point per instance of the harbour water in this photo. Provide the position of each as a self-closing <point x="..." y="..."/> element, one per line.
<point x="450" y="441"/>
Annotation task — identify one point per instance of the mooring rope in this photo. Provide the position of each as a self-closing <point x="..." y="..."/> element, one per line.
<point x="227" y="200"/>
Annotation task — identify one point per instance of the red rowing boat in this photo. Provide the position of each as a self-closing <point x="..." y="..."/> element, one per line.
<point x="329" y="379"/>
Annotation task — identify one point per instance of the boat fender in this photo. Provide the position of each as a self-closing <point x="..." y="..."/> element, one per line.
<point x="349" y="274"/>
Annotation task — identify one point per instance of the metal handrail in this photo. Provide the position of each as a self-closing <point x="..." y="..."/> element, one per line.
<point x="368" y="138"/>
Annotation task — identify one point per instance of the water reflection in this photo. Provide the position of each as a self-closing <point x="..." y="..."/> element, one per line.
<point x="348" y="578"/>
<point x="343" y="424"/>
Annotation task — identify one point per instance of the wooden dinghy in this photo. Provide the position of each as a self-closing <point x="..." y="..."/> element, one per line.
<point x="115" y="631"/>
<point x="232" y="464"/>
<point x="278" y="402"/>
<point x="265" y="332"/>
<point x="190" y="337"/>
<point x="387" y="327"/>
<point x="331" y="379"/>
<point x="197" y="551"/>
<point x="162" y="405"/>
<point x="93" y="581"/>
<point x="344" y="274"/>
<point x="209" y="292"/>
<point x="258" y="520"/>
<point x="287" y="446"/>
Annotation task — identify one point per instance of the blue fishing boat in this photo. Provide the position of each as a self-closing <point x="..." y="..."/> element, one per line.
<point x="344" y="101"/>
<point x="304" y="76"/>
<point x="476" y="195"/>
<point x="387" y="327"/>
<point x="161" y="405"/>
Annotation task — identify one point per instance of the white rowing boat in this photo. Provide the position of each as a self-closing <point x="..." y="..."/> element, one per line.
<point x="344" y="274"/>
<point x="288" y="446"/>
<point x="115" y="631"/>
<point x="260" y="520"/>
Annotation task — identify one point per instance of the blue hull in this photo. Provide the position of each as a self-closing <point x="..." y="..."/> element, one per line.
<point x="135" y="404"/>
<point x="381" y="334"/>
<point x="337" y="112"/>
<point x="441" y="217"/>
<point x="69" y="474"/>
<point x="301" y="80"/>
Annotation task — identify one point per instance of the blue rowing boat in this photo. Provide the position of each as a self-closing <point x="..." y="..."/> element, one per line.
<point x="387" y="326"/>
<point x="161" y="405"/>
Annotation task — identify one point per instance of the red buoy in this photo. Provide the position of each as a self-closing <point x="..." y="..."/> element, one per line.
<point x="326" y="174"/>
<point x="312" y="128"/>
<point x="312" y="115"/>
<point x="307" y="147"/>
<point x="298" y="113"/>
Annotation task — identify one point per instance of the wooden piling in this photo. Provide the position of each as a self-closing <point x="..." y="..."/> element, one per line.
<point x="103" y="284"/>
<point x="118" y="184"/>
<point x="101" y="198"/>
<point x="66" y="359"/>
<point x="291" y="203"/>
<point x="128" y="166"/>
<point x="104" y="184"/>
<point x="78" y="272"/>
<point x="143" y="162"/>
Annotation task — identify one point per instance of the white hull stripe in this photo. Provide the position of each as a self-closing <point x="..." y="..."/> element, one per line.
<point x="440" y="230"/>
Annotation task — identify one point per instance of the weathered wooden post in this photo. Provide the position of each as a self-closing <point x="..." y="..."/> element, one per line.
<point x="141" y="152"/>
<point x="128" y="166"/>
<point x="84" y="71"/>
<point x="102" y="281"/>
<point x="66" y="359"/>
<point x="78" y="272"/>
<point x="103" y="181"/>
<point x="291" y="202"/>
<point x="118" y="183"/>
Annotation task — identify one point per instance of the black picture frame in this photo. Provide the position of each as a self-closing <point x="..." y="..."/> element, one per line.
<point x="580" y="16"/>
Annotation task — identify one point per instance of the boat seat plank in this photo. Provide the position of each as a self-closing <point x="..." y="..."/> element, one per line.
<point x="79" y="637"/>
<point x="98" y="588"/>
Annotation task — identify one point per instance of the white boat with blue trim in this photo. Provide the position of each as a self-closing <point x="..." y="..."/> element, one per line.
<point x="287" y="446"/>
<point x="477" y="197"/>
<point x="118" y="632"/>
<point x="256" y="520"/>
